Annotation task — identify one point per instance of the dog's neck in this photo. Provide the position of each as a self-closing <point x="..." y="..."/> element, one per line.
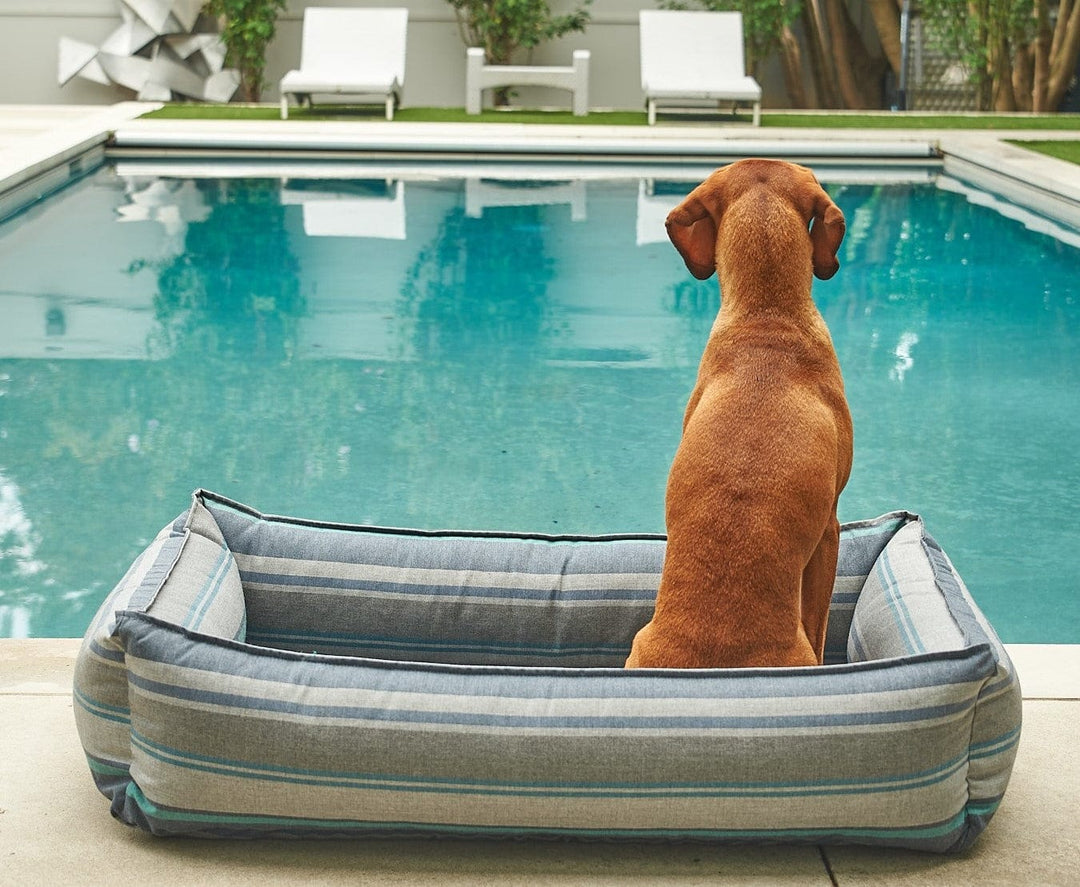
<point x="764" y="257"/>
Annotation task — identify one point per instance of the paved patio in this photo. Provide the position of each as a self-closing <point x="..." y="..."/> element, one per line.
<point x="55" y="827"/>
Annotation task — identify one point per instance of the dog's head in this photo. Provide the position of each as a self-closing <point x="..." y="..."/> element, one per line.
<point x="693" y="225"/>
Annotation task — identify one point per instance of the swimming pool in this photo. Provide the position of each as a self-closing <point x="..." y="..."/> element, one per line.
<point x="500" y="348"/>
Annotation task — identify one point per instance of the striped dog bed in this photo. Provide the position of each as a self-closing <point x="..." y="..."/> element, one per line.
<point x="254" y="675"/>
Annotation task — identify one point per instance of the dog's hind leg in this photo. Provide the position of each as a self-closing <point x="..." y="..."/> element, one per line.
<point x="817" y="584"/>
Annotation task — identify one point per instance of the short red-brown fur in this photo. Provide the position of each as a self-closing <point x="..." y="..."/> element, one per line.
<point x="767" y="439"/>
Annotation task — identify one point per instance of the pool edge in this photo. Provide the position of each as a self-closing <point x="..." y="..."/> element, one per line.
<point x="65" y="148"/>
<point x="33" y="167"/>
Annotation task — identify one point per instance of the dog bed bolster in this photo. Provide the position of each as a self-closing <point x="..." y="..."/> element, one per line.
<point x="256" y="675"/>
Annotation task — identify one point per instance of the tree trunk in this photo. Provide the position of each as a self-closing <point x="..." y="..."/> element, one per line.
<point x="858" y="77"/>
<point x="985" y="82"/>
<point x="820" y="57"/>
<point x="1001" y="77"/>
<point x="1040" y="66"/>
<point x="1023" y="77"/>
<point x="1065" y="50"/>
<point x="791" y="60"/>
<point x="886" y="15"/>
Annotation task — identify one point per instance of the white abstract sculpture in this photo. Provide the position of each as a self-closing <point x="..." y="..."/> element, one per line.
<point x="155" y="52"/>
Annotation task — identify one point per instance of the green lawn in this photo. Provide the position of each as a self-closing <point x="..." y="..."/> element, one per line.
<point x="878" y="120"/>
<point x="1062" y="150"/>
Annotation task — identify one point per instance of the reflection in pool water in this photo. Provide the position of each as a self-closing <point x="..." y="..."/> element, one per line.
<point x="482" y="353"/>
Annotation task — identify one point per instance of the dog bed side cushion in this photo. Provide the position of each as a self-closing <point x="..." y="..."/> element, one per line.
<point x="234" y="740"/>
<point x="459" y="597"/>
<point x="473" y="598"/>
<point x="914" y="605"/>
<point x="185" y="575"/>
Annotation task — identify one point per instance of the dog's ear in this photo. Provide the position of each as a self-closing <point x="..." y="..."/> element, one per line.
<point x="693" y="232"/>
<point x="826" y="233"/>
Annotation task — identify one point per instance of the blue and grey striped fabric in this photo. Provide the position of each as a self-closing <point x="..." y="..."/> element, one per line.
<point x="257" y="675"/>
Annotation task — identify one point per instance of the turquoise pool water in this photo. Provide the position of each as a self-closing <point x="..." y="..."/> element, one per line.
<point x="413" y="349"/>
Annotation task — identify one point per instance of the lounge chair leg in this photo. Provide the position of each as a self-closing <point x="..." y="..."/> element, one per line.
<point x="474" y="76"/>
<point x="390" y="107"/>
<point x="284" y="107"/>
<point x="652" y="112"/>
<point x="581" y="82"/>
<point x="757" y="113"/>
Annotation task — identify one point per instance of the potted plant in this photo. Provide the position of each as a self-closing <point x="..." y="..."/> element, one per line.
<point x="247" y="29"/>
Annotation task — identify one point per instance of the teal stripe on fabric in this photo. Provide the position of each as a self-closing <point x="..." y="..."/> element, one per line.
<point x="106" y="768"/>
<point x="906" y="833"/>
<point x="884" y="528"/>
<point x="858" y="648"/>
<point x="102" y="710"/>
<point x="209" y="591"/>
<point x="902" y="616"/>
<point x="983" y="808"/>
<point x="450" y="786"/>
<point x="995" y="746"/>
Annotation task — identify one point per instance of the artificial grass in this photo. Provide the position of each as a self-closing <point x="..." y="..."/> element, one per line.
<point x="916" y="120"/>
<point x="1062" y="150"/>
<point x="847" y="120"/>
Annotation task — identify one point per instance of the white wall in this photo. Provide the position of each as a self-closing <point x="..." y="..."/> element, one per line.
<point x="435" y="76"/>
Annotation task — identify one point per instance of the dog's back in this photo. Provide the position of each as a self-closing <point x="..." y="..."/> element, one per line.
<point x="766" y="447"/>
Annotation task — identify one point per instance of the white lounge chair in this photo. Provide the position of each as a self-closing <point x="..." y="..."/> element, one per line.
<point x="691" y="58"/>
<point x="354" y="52"/>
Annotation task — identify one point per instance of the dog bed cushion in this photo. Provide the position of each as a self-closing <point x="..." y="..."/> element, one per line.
<point x="255" y="675"/>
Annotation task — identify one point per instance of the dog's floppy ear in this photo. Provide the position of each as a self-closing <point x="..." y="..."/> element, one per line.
<point x="693" y="232"/>
<point x="826" y="232"/>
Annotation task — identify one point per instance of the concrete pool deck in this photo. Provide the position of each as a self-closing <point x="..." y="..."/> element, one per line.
<point x="53" y="823"/>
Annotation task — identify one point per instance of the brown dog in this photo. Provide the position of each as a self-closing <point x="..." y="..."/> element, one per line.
<point x="767" y="439"/>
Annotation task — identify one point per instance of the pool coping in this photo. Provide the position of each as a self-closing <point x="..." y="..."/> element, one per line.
<point x="987" y="160"/>
<point x="46" y="161"/>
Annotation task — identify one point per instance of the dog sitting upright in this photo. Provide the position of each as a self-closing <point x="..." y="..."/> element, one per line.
<point x="767" y="438"/>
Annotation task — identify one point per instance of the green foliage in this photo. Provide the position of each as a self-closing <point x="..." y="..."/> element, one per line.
<point x="248" y="27"/>
<point x="982" y="34"/>
<point x="763" y="21"/>
<point x="503" y="26"/>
